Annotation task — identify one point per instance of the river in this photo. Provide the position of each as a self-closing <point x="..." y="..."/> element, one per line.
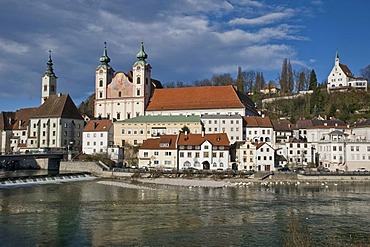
<point x="88" y="213"/>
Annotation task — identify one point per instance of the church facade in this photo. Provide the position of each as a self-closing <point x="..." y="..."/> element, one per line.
<point x="120" y="96"/>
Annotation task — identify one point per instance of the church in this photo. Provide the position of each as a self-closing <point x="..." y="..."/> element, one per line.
<point x="121" y="96"/>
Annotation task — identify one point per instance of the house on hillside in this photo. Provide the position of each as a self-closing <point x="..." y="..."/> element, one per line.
<point x="341" y="78"/>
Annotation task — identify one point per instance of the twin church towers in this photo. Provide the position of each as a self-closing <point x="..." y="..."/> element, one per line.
<point x="118" y="95"/>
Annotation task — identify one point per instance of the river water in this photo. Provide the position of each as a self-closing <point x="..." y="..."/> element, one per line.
<point x="88" y="213"/>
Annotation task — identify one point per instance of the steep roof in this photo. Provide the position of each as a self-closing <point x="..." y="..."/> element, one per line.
<point x="346" y="70"/>
<point x="208" y="97"/>
<point x="60" y="105"/>
<point x="163" y="142"/>
<point x="16" y="120"/>
<point x="363" y="122"/>
<point x="98" y="126"/>
<point x="257" y="121"/>
<point x="218" y="139"/>
<point x="161" y="119"/>
<point x="281" y="125"/>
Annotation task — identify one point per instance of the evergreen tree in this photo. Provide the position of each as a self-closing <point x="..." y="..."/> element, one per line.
<point x="284" y="77"/>
<point x="301" y="81"/>
<point x="240" y="82"/>
<point x="290" y="78"/>
<point x="313" y="80"/>
<point x="249" y="77"/>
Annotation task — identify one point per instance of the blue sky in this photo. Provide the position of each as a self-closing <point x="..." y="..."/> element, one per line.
<point x="186" y="40"/>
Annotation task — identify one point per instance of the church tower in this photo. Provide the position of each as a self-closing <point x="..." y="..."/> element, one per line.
<point x="48" y="82"/>
<point x="103" y="76"/>
<point x="142" y="77"/>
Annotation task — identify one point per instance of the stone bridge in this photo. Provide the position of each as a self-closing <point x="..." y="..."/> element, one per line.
<point x="47" y="161"/>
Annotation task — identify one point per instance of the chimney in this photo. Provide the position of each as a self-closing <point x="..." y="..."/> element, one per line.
<point x="202" y="133"/>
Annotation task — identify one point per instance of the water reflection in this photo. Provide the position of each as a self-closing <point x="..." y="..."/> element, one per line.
<point x="91" y="214"/>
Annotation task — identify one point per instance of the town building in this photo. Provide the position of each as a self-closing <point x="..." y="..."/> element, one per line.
<point x="55" y="125"/>
<point x="265" y="157"/>
<point x="232" y="125"/>
<point x="341" y="78"/>
<point x="135" y="131"/>
<point x="159" y="153"/>
<point x="203" y="151"/>
<point x="243" y="155"/>
<point x="258" y="129"/>
<point x="97" y="136"/>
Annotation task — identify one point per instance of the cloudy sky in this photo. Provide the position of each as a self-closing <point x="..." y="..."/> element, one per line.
<point x="186" y="40"/>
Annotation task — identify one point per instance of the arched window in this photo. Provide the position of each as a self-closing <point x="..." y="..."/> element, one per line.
<point x="138" y="92"/>
<point x="119" y="94"/>
<point x="187" y="164"/>
<point x="267" y="139"/>
<point x="138" y="80"/>
<point x="196" y="164"/>
<point x="100" y="83"/>
<point x="45" y="88"/>
<point x="52" y="88"/>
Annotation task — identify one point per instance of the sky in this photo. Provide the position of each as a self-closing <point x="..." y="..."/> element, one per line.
<point x="185" y="40"/>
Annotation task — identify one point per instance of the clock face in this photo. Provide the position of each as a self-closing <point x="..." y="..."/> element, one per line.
<point x="138" y="68"/>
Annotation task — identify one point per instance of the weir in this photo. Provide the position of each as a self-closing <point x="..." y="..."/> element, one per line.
<point x="44" y="179"/>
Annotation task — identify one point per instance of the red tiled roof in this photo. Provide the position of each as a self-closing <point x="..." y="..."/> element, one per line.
<point x="16" y="120"/>
<point x="218" y="139"/>
<point x="155" y="143"/>
<point x="257" y="121"/>
<point x="196" y="98"/>
<point x="98" y="125"/>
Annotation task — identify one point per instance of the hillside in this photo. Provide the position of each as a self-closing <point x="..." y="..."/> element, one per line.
<point x="347" y="106"/>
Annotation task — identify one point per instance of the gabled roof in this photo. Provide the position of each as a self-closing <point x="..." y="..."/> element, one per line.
<point x="16" y="120"/>
<point x="363" y="122"/>
<point x="60" y="105"/>
<point x="160" y="143"/>
<point x="257" y="121"/>
<point x="346" y="70"/>
<point x="209" y="97"/>
<point x="304" y="124"/>
<point x="281" y="125"/>
<point x="260" y="144"/>
<point x="98" y="126"/>
<point x="218" y="139"/>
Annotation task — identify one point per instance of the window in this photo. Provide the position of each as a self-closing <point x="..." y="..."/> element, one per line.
<point x="119" y="94"/>
<point x="214" y="155"/>
<point x="138" y="92"/>
<point x="100" y="94"/>
<point x="206" y="147"/>
<point x="145" y="154"/>
<point x="123" y="131"/>
<point x="53" y="133"/>
<point x="156" y="162"/>
<point x="181" y="154"/>
<point x="43" y="133"/>
<point x="189" y="154"/>
<point x="101" y="143"/>
<point x="100" y="83"/>
<point x="357" y="148"/>
<point x="88" y="143"/>
<point x="167" y="153"/>
<point x="197" y="155"/>
<point x="138" y="80"/>
<point x="221" y="155"/>
<point x="205" y="154"/>
<point x="118" y="115"/>
<point x="334" y="148"/>
<point x="45" y="88"/>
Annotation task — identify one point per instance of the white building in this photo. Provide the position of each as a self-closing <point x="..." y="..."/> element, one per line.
<point x="245" y="156"/>
<point x="160" y="153"/>
<point x="203" y="151"/>
<point x="232" y="125"/>
<point x="265" y="157"/>
<point x="341" y="78"/>
<point x="258" y="129"/>
<point x="97" y="136"/>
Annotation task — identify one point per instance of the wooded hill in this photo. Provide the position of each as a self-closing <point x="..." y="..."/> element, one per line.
<point x="347" y="106"/>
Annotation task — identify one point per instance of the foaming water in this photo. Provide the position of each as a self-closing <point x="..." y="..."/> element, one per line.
<point x="104" y="213"/>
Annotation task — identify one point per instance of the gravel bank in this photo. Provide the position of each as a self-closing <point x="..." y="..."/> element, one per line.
<point x="187" y="182"/>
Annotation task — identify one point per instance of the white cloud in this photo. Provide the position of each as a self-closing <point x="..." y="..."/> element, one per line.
<point x="13" y="47"/>
<point x="263" y="20"/>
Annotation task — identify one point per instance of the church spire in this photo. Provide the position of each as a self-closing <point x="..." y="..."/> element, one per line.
<point x="105" y="59"/>
<point x="49" y="66"/>
<point x="142" y="55"/>
<point x="336" y="57"/>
